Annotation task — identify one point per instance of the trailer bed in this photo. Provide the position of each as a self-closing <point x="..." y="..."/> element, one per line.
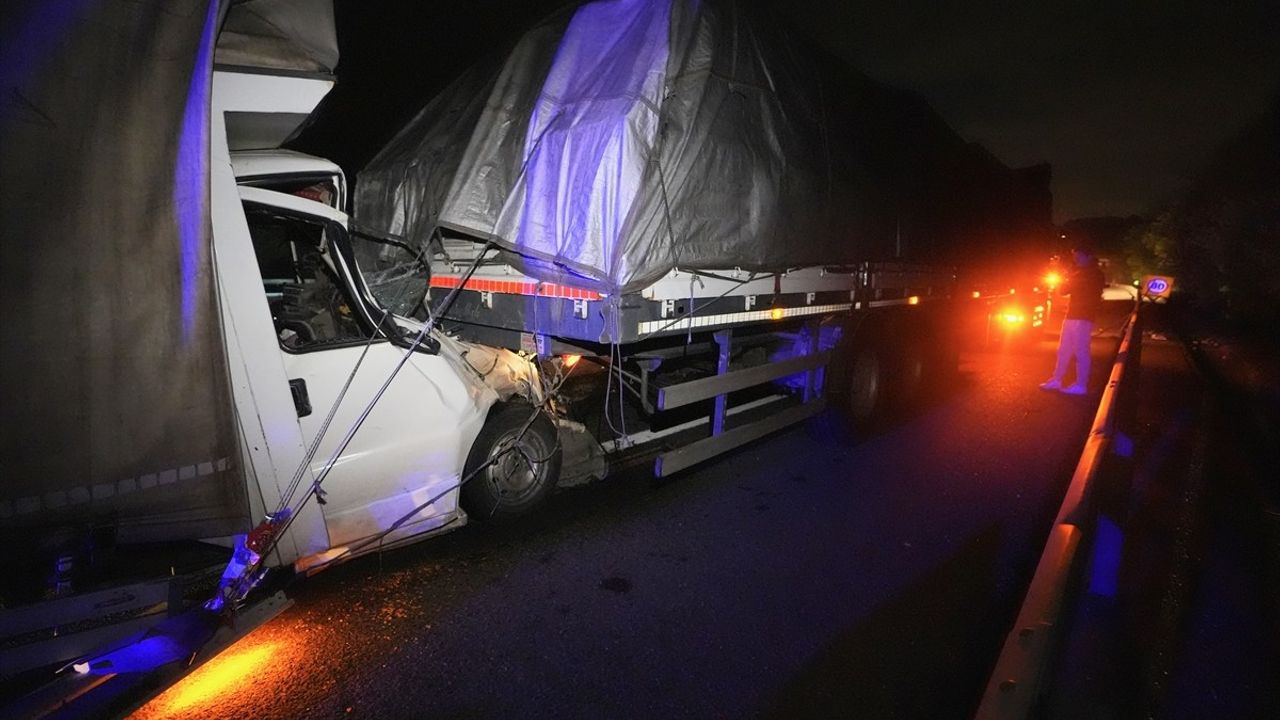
<point x="501" y="306"/>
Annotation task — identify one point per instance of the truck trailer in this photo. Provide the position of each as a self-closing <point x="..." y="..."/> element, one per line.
<point x="679" y="199"/>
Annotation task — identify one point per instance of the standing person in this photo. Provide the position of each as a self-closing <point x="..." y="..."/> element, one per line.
<point x="1084" y="286"/>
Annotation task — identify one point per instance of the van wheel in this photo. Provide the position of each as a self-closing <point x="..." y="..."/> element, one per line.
<point x="517" y="469"/>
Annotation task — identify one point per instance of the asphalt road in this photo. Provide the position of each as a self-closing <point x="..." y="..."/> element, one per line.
<point x="789" y="579"/>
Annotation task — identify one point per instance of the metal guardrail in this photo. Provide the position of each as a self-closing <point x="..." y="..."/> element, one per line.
<point x="1016" y="682"/>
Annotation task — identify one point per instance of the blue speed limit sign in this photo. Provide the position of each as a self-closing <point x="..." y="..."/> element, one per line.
<point x="1157" y="286"/>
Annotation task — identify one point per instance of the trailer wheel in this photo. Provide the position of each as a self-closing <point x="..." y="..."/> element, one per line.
<point x="913" y="374"/>
<point x="944" y="368"/>
<point x="866" y="387"/>
<point x="519" y="466"/>
<point x="853" y="405"/>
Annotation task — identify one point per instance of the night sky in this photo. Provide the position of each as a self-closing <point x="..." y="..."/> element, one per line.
<point x="1125" y="100"/>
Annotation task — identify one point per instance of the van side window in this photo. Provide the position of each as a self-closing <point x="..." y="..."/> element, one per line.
<point x="309" y="303"/>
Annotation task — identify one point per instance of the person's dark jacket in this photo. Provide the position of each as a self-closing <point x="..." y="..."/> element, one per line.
<point x="1084" y="285"/>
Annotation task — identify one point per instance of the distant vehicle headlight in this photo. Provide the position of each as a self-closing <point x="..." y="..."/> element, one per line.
<point x="1012" y="316"/>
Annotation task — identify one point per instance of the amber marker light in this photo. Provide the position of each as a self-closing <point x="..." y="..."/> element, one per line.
<point x="776" y="313"/>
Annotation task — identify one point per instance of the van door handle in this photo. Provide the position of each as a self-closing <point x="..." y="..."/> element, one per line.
<point x="301" y="400"/>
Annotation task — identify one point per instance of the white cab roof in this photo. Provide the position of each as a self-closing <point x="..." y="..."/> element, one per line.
<point x="259" y="163"/>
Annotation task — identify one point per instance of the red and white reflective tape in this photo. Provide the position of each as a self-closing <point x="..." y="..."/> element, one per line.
<point x="517" y="287"/>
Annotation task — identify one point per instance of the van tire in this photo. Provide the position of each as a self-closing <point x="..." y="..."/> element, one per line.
<point x="517" y="480"/>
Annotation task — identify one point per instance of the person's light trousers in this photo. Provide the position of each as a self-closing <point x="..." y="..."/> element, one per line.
<point x="1074" y="343"/>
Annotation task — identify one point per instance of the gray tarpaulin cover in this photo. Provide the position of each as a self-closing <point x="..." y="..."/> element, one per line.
<point x="115" y="400"/>
<point x="629" y="137"/>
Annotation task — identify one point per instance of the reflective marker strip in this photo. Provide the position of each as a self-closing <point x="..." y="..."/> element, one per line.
<point x="651" y="326"/>
<point x="887" y="303"/>
<point x="517" y="287"/>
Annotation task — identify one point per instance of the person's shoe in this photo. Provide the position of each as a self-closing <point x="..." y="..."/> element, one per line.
<point x="1076" y="389"/>
<point x="1051" y="384"/>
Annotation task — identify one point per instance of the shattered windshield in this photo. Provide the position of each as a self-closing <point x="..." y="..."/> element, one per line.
<point x="395" y="274"/>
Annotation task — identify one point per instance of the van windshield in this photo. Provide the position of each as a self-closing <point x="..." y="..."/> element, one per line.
<point x="395" y="275"/>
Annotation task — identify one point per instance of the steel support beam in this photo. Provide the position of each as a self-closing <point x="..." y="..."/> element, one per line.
<point x="676" y="460"/>
<point x="724" y="339"/>
<point x="674" y="396"/>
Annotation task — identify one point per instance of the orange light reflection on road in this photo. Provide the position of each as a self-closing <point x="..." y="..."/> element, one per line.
<point x="254" y="660"/>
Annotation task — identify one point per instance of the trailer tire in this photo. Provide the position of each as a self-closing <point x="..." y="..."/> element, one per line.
<point x="510" y="483"/>
<point x="853" y="406"/>
<point x="913" y="375"/>
<point x="866" y="387"/>
<point x="945" y="368"/>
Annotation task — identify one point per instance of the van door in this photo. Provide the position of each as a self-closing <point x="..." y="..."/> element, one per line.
<point x="397" y="477"/>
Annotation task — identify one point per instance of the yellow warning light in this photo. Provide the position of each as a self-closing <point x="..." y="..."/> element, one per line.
<point x="913" y="300"/>
<point x="776" y="313"/>
<point x="1052" y="279"/>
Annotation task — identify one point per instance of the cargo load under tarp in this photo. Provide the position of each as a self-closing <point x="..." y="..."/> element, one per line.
<point x="116" y="407"/>
<point x="630" y="137"/>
